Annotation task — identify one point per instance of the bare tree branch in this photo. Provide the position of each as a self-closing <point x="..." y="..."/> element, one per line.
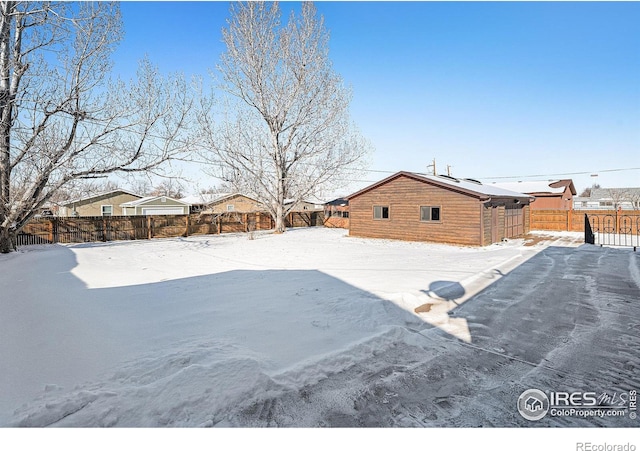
<point x="62" y="119"/>
<point x="286" y="133"/>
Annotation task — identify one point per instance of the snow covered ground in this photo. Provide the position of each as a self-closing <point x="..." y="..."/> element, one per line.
<point x="308" y="328"/>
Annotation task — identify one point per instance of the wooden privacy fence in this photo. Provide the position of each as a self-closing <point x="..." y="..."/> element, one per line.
<point x="573" y="220"/>
<point x="111" y="228"/>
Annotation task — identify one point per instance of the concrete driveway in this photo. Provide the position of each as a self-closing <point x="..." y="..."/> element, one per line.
<point x="567" y="321"/>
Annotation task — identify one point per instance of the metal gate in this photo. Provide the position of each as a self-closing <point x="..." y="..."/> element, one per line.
<point x="612" y="230"/>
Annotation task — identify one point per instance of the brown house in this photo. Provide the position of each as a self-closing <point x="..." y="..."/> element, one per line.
<point x="223" y="203"/>
<point x="443" y="209"/>
<point x="336" y="213"/>
<point x="550" y="195"/>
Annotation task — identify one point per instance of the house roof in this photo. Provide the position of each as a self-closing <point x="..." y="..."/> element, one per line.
<point x="464" y="186"/>
<point x="150" y="199"/>
<point x="211" y="198"/>
<point x="340" y="201"/>
<point x="609" y="193"/>
<point x="95" y="196"/>
<point x="539" y="187"/>
<point x="308" y="200"/>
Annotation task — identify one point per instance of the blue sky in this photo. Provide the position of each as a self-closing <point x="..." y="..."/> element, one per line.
<point x="495" y="89"/>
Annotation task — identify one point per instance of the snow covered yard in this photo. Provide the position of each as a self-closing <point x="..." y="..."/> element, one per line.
<point x="308" y="328"/>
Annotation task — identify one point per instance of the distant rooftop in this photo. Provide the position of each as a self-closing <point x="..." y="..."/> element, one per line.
<point x="470" y="186"/>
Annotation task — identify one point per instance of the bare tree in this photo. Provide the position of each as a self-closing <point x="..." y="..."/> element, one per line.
<point x="617" y="195"/>
<point x="62" y="119"/>
<point x="587" y="191"/>
<point x="286" y="132"/>
<point x="169" y="187"/>
<point x="634" y="198"/>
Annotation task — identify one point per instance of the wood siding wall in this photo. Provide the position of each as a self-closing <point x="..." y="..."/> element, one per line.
<point x="486" y="225"/>
<point x="562" y="201"/>
<point x="460" y="214"/>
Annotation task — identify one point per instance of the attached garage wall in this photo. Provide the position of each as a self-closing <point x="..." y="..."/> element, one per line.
<point x="155" y="211"/>
<point x="512" y="221"/>
<point x="460" y="213"/>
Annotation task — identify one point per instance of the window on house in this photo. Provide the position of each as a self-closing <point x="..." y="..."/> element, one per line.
<point x="230" y="207"/>
<point x="345" y="214"/>
<point x="380" y="212"/>
<point x="431" y="214"/>
<point x="107" y="210"/>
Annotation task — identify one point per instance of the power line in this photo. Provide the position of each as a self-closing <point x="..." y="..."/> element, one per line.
<point x="180" y="141"/>
<point x="561" y="173"/>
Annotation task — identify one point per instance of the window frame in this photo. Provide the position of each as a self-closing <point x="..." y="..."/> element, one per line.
<point x="431" y="208"/>
<point x="102" y="210"/>
<point x="382" y="210"/>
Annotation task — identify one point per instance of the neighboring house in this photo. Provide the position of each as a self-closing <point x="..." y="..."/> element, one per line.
<point x="336" y="213"/>
<point x="306" y="205"/>
<point x="103" y="204"/>
<point x="155" y="205"/>
<point x="550" y="195"/>
<point x="609" y="199"/>
<point x="585" y="203"/>
<point x="442" y="209"/>
<point x="223" y="203"/>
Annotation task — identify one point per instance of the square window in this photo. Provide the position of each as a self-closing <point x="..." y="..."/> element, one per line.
<point x="107" y="210"/>
<point x="430" y="214"/>
<point x="380" y="212"/>
<point x="230" y="207"/>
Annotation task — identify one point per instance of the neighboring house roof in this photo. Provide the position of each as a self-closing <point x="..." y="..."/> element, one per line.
<point x="465" y="186"/>
<point x="307" y="200"/>
<point x="540" y="187"/>
<point x="206" y="199"/>
<point x="150" y="199"/>
<point x="339" y="202"/>
<point x="622" y="193"/>
<point x="95" y="196"/>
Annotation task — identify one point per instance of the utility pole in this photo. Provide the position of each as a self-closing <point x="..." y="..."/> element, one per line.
<point x="432" y="166"/>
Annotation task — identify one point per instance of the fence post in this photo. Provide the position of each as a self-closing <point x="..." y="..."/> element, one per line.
<point x="219" y="224"/>
<point x="149" y="231"/>
<point x="245" y="219"/>
<point x="569" y="218"/>
<point x="618" y="210"/>
<point x="52" y="227"/>
<point x="186" y="232"/>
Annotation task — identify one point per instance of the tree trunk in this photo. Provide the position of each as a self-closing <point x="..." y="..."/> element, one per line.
<point x="280" y="223"/>
<point x="7" y="240"/>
